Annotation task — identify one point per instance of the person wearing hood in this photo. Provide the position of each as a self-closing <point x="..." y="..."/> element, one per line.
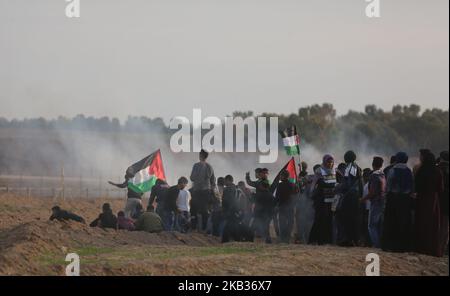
<point x="397" y="226"/>
<point x="429" y="186"/>
<point x="323" y="196"/>
<point x="347" y="216"/>
<point x="106" y="219"/>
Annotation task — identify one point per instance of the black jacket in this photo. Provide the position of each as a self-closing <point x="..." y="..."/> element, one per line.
<point x="66" y="215"/>
<point x="105" y="220"/>
<point x="170" y="202"/>
<point x="264" y="204"/>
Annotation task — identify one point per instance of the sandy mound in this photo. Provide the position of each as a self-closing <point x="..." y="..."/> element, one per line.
<point x="32" y="245"/>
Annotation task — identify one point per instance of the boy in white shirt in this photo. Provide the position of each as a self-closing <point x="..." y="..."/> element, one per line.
<point x="183" y="207"/>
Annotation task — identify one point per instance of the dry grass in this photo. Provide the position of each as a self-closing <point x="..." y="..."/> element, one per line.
<point x="32" y="245"/>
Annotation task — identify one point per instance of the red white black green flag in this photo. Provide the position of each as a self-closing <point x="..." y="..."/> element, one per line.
<point x="291" y="140"/>
<point x="143" y="174"/>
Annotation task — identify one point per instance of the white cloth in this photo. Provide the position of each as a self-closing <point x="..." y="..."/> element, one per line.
<point x="184" y="197"/>
<point x="130" y="206"/>
<point x="365" y="193"/>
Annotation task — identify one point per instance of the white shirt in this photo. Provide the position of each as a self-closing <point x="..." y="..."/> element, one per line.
<point x="184" y="197"/>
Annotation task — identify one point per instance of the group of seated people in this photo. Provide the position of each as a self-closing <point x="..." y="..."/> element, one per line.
<point x="147" y="221"/>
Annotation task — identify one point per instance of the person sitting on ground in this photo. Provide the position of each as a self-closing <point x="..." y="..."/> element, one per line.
<point x="124" y="222"/>
<point x="106" y="219"/>
<point x="137" y="212"/>
<point x="63" y="215"/>
<point x="149" y="221"/>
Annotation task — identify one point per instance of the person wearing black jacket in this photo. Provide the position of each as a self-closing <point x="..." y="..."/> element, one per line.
<point x="170" y="208"/>
<point x="264" y="207"/>
<point x="158" y="194"/>
<point x="285" y="199"/>
<point x="230" y="198"/>
<point x="106" y="219"/>
<point x="63" y="215"/>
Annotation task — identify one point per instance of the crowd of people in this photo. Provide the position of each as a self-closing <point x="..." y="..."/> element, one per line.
<point x="391" y="207"/>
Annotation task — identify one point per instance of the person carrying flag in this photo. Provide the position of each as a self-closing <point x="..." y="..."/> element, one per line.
<point x="140" y="177"/>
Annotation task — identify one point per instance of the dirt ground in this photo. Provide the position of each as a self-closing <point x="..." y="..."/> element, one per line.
<point x="32" y="245"/>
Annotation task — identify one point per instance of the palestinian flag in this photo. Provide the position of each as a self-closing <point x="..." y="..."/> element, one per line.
<point x="290" y="167"/>
<point x="143" y="174"/>
<point x="291" y="140"/>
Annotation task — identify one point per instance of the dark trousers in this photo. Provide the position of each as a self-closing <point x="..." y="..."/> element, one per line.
<point x="168" y="219"/>
<point x="397" y="226"/>
<point x="286" y="222"/>
<point x="322" y="229"/>
<point x="276" y="223"/>
<point x="347" y="218"/>
<point x="261" y="225"/>
<point x="199" y="208"/>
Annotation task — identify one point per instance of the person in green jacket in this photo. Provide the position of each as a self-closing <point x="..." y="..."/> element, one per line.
<point x="149" y="221"/>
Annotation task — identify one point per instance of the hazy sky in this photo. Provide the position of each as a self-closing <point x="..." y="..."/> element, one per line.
<point x="163" y="58"/>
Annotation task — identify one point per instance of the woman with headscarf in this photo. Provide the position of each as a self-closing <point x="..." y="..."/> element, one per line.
<point x="347" y="214"/>
<point x="428" y="187"/>
<point x="397" y="225"/>
<point x="323" y="196"/>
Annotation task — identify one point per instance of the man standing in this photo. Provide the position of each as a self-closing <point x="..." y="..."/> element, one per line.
<point x="285" y="199"/>
<point x="158" y="194"/>
<point x="264" y="204"/>
<point x="246" y="203"/>
<point x="323" y="196"/>
<point x="230" y="199"/>
<point x="347" y="215"/>
<point x="170" y="208"/>
<point x="397" y="225"/>
<point x="182" y="217"/>
<point x="133" y="197"/>
<point x="376" y="195"/>
<point x="203" y="179"/>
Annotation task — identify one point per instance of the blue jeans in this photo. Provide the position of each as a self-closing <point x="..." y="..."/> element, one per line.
<point x="168" y="218"/>
<point x="182" y="220"/>
<point x="375" y="223"/>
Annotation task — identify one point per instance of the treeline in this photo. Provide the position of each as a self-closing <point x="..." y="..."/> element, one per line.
<point x="83" y="123"/>
<point x="403" y="128"/>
